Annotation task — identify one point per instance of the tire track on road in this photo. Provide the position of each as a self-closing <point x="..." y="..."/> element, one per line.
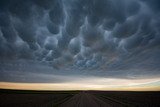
<point x="84" y="99"/>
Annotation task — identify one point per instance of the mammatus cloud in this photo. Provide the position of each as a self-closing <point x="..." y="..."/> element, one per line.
<point x="83" y="37"/>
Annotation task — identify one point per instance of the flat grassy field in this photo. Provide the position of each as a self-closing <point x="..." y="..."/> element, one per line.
<point x="24" y="98"/>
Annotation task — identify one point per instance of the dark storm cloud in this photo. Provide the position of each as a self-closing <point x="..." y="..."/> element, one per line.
<point x="128" y="28"/>
<point x="74" y="46"/>
<point x="118" y="37"/>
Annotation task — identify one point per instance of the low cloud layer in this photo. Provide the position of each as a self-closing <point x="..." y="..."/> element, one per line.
<point x="109" y="38"/>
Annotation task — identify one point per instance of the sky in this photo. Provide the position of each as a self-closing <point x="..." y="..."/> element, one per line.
<point x="80" y="44"/>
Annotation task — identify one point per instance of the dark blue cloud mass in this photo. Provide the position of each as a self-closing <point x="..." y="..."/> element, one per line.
<point x="109" y="38"/>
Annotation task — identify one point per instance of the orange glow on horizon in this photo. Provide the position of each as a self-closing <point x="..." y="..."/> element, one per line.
<point x="126" y="85"/>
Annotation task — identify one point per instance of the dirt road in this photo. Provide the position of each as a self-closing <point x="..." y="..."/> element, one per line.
<point x="84" y="99"/>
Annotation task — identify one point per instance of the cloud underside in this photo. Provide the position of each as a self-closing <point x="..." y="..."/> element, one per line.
<point x="105" y="38"/>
